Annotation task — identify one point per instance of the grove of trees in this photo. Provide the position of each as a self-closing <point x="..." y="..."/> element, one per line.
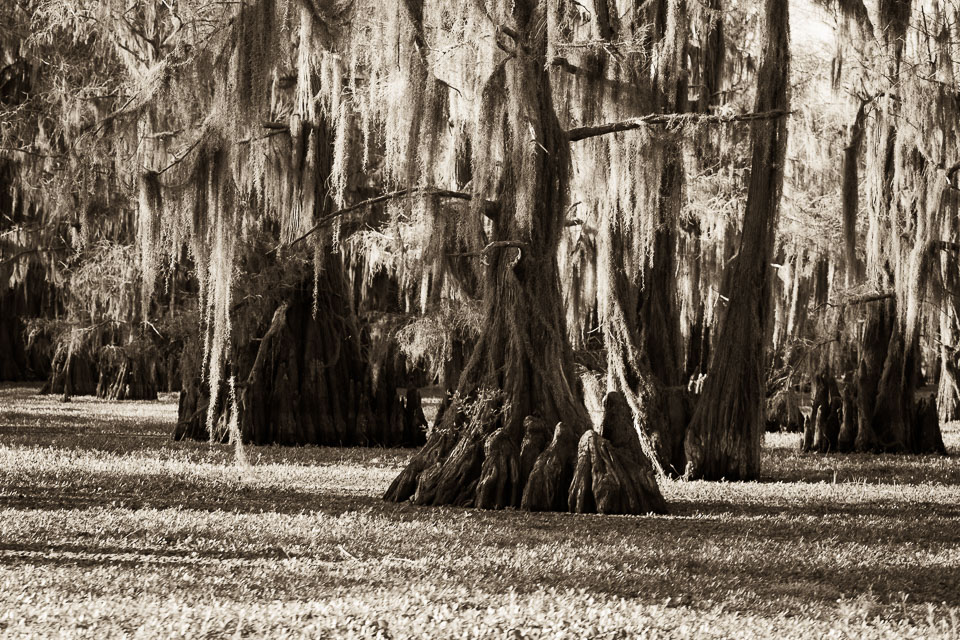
<point x="623" y="238"/>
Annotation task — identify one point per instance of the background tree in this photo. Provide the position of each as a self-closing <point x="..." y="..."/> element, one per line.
<point x="726" y="431"/>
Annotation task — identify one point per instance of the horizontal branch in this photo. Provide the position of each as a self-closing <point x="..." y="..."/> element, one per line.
<point x="180" y="158"/>
<point x="563" y="63"/>
<point x="31" y="152"/>
<point x="672" y="120"/>
<point x="393" y="195"/>
<point x="944" y="245"/>
<point x="487" y="250"/>
<point x="26" y="252"/>
<point x="863" y="299"/>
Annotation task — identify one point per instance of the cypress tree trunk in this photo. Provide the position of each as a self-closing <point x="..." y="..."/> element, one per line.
<point x="725" y="434"/>
<point x="660" y="325"/>
<point x="305" y="381"/>
<point x="519" y="379"/>
<point x="628" y="364"/>
<point x="641" y="316"/>
<point x="194" y="394"/>
<point x="889" y="417"/>
<point x="876" y="336"/>
<point x="128" y="373"/>
<point x="25" y="354"/>
<point x="849" y="425"/>
<point x="73" y="371"/>
<point x="309" y="383"/>
<point x="948" y="388"/>
<point x="822" y="431"/>
<point x="86" y="364"/>
<point x="850" y="194"/>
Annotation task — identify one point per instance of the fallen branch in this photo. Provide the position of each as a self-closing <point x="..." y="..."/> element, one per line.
<point x="672" y="120"/>
<point x="347" y="554"/>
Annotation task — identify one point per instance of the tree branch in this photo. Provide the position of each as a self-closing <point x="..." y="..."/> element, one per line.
<point x="562" y="63"/>
<point x="944" y="245"/>
<point x="672" y="120"/>
<point x="864" y="299"/>
<point x="393" y="195"/>
<point x="178" y="159"/>
<point x="487" y="250"/>
<point x="28" y="252"/>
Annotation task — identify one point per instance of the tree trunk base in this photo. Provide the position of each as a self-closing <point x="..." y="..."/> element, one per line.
<point x="493" y="467"/>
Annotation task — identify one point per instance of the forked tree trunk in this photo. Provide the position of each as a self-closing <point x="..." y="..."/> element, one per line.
<point x="641" y="317"/>
<point x="628" y="364"/>
<point x="726" y="432"/>
<point x="488" y="450"/>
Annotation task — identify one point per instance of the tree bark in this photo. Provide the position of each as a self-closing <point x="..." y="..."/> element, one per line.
<point x="850" y="195"/>
<point x="725" y="434"/>
<point x="948" y="386"/>
<point x="13" y="360"/>
<point x="641" y="315"/>
<point x="848" y="429"/>
<point x="128" y="373"/>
